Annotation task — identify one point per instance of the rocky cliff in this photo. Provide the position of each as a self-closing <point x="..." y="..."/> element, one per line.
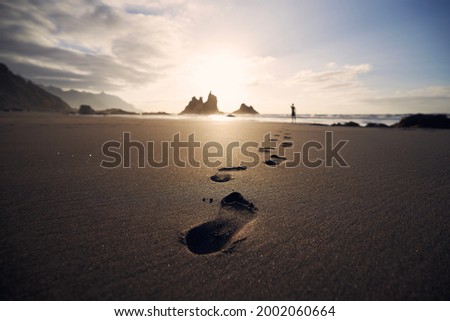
<point x="197" y="106"/>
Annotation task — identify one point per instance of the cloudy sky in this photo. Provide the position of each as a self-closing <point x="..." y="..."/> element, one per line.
<point x="327" y="56"/>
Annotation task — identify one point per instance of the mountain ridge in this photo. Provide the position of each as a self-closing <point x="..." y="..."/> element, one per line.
<point x="20" y="94"/>
<point x="100" y="101"/>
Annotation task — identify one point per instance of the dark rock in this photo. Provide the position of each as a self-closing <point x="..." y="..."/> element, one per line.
<point x="86" y="110"/>
<point x="425" y="121"/>
<point x="158" y="113"/>
<point x="117" y="111"/>
<point x="377" y="125"/>
<point x="347" y="124"/>
<point x="197" y="106"/>
<point x="194" y="107"/>
<point x="244" y="109"/>
<point x="210" y="107"/>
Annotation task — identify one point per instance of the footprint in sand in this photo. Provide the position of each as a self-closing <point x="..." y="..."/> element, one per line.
<point x="222" y="176"/>
<point x="286" y="144"/>
<point x="275" y="160"/>
<point x="287" y="137"/>
<point x="229" y="169"/>
<point x="216" y="235"/>
<point x="266" y="149"/>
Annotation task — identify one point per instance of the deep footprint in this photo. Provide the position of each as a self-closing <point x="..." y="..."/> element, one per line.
<point x="221" y="177"/>
<point x="275" y="160"/>
<point x="266" y="149"/>
<point x="230" y="169"/>
<point x="236" y="201"/>
<point x="216" y="235"/>
<point x="286" y="144"/>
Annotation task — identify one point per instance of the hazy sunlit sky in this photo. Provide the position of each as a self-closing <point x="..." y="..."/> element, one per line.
<point x="347" y="56"/>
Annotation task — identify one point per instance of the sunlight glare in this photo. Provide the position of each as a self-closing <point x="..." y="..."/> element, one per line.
<point x="220" y="118"/>
<point x="223" y="73"/>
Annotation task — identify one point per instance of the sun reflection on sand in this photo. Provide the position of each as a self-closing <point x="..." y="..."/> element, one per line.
<point x="220" y="117"/>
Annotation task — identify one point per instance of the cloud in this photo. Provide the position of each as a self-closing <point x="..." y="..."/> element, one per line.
<point x="259" y="60"/>
<point x="428" y="99"/>
<point x="87" y="44"/>
<point x="333" y="78"/>
<point x="262" y="80"/>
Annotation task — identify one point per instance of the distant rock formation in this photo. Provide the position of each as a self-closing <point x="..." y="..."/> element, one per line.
<point x="197" y="106"/>
<point x="117" y="111"/>
<point x="376" y="125"/>
<point x="86" y="110"/>
<point x="157" y="113"/>
<point x="244" y="109"/>
<point x="210" y="107"/>
<point x="100" y="101"/>
<point x="347" y="124"/>
<point x="425" y="121"/>
<point x="19" y="94"/>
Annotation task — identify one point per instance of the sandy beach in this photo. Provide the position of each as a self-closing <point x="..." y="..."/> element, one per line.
<point x="72" y="230"/>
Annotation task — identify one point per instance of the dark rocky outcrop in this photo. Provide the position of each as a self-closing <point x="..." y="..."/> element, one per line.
<point x="425" y="121"/>
<point x="376" y="125"/>
<point x="244" y="109"/>
<point x="117" y="111"/>
<point x="19" y="94"/>
<point x="86" y="110"/>
<point x="197" y="106"/>
<point x="347" y="124"/>
<point x="157" y="113"/>
<point x="210" y="106"/>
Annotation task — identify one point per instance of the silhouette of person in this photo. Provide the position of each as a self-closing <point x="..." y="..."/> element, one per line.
<point x="293" y="115"/>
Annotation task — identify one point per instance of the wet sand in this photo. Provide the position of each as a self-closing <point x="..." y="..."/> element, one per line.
<point x="72" y="230"/>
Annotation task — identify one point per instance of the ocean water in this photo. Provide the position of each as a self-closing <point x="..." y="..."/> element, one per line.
<point x="320" y="119"/>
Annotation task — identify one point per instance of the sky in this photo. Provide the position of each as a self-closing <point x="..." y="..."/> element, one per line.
<point x="326" y="56"/>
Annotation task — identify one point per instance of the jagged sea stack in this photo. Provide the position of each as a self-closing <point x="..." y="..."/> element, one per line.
<point x="197" y="106"/>
<point x="244" y="109"/>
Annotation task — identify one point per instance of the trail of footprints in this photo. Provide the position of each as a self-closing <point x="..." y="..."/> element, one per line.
<point x="235" y="212"/>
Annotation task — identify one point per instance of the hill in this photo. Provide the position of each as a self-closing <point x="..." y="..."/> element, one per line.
<point x="20" y="94"/>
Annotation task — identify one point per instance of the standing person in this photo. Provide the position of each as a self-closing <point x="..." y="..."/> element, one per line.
<point x="293" y="115"/>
